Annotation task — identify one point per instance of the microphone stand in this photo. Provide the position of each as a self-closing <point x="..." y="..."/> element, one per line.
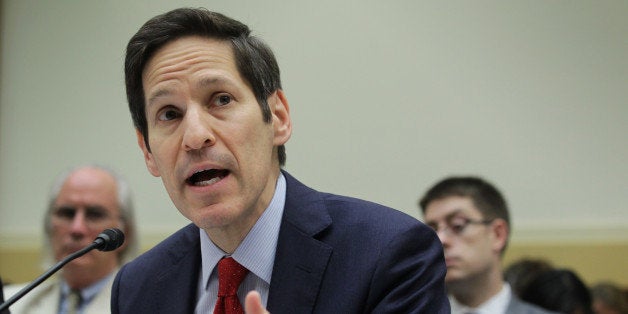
<point x="49" y="273"/>
<point x="2" y="298"/>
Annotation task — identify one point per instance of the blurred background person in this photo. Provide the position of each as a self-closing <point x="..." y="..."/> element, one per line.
<point x="559" y="290"/>
<point x="83" y="202"/>
<point x="519" y="273"/>
<point x="471" y="219"/>
<point x="609" y="298"/>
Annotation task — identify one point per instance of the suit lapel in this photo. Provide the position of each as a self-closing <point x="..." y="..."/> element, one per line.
<point x="178" y="281"/>
<point x="301" y="260"/>
<point x="44" y="300"/>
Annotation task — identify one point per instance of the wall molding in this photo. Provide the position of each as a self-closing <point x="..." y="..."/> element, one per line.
<point x="573" y="232"/>
<point x="538" y="233"/>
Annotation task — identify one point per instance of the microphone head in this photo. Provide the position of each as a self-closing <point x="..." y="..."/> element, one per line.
<point x="109" y="239"/>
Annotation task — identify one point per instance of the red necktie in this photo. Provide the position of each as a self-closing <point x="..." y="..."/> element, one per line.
<point x="230" y="275"/>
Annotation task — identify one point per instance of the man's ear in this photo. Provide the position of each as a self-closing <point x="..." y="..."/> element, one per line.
<point x="148" y="156"/>
<point x="280" y="110"/>
<point x="500" y="231"/>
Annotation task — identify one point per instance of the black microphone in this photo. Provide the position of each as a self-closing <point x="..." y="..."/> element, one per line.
<point x="108" y="240"/>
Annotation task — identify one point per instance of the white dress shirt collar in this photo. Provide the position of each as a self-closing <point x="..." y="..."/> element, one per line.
<point x="257" y="250"/>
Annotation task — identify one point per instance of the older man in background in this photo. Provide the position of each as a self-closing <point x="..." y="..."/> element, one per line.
<point x="83" y="202"/>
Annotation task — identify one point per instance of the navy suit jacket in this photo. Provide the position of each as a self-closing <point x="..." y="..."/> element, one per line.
<point x="334" y="255"/>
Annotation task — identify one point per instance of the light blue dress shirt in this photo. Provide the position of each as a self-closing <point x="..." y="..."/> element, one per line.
<point x="256" y="253"/>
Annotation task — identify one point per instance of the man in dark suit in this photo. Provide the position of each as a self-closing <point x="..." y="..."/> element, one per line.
<point x="471" y="219"/>
<point x="212" y="121"/>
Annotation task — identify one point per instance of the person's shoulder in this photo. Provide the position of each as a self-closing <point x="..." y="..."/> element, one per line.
<point x="346" y="207"/>
<point x="365" y="209"/>
<point x="518" y="306"/>
<point x="45" y="292"/>
<point x="178" y="245"/>
<point x="11" y="289"/>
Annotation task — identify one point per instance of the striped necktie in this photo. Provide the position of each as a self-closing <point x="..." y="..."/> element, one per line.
<point x="73" y="301"/>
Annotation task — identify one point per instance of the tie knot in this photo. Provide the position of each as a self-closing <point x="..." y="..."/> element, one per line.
<point x="230" y="275"/>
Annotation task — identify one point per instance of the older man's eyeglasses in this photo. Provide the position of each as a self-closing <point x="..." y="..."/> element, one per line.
<point x="93" y="215"/>
<point x="457" y="225"/>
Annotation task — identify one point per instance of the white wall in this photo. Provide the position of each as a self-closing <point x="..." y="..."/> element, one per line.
<point x="387" y="97"/>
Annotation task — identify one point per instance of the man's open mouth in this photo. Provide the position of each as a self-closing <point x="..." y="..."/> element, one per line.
<point x="207" y="177"/>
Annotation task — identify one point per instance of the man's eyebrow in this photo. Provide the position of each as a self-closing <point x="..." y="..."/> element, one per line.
<point x="454" y="213"/>
<point x="202" y="83"/>
<point x="448" y="216"/>
<point x="96" y="207"/>
<point x="213" y="80"/>
<point x="159" y="93"/>
<point x="206" y="81"/>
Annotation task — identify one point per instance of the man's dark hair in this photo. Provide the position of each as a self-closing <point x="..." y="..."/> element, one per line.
<point x="488" y="200"/>
<point x="255" y="61"/>
<point x="559" y="290"/>
<point x="520" y="273"/>
<point x="611" y="295"/>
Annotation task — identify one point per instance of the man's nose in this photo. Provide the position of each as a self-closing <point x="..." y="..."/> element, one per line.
<point x="79" y="223"/>
<point x="197" y="129"/>
<point x="444" y="236"/>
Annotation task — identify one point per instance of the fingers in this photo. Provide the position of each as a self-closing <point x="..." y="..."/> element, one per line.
<point x="253" y="304"/>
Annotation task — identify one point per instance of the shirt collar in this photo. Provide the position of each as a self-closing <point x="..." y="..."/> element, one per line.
<point x="89" y="292"/>
<point x="497" y="304"/>
<point x="257" y="250"/>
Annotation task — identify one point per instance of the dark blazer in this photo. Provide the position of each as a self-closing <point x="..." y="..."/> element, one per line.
<point x="516" y="306"/>
<point x="334" y="255"/>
